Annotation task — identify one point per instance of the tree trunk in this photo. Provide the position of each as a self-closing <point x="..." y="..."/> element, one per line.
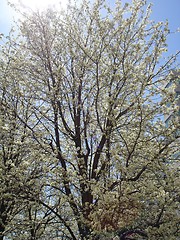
<point x="3" y="217"/>
<point x="2" y="228"/>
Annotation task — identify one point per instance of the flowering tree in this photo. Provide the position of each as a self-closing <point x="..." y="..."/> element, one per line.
<point x="94" y="86"/>
<point x="20" y="156"/>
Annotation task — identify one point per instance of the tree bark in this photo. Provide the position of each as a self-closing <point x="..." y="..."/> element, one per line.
<point x="2" y="228"/>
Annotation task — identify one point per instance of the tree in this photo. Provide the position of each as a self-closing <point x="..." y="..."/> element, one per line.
<point x="19" y="166"/>
<point x="93" y="78"/>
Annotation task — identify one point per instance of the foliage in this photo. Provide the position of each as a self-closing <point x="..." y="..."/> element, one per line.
<point x="82" y="120"/>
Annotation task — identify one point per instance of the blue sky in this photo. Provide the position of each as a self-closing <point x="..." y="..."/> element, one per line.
<point x="170" y="10"/>
<point x="162" y="10"/>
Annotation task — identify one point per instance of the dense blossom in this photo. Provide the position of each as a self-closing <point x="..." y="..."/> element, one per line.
<point x="84" y="148"/>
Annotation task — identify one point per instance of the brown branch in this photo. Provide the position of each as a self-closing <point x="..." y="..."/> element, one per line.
<point x="125" y="111"/>
<point x="97" y="156"/>
<point x="67" y="128"/>
<point x="138" y="175"/>
<point x="59" y="216"/>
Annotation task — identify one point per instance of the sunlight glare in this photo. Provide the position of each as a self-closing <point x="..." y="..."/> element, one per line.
<point x="40" y="4"/>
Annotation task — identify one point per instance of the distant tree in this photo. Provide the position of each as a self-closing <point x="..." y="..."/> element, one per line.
<point x="93" y="79"/>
